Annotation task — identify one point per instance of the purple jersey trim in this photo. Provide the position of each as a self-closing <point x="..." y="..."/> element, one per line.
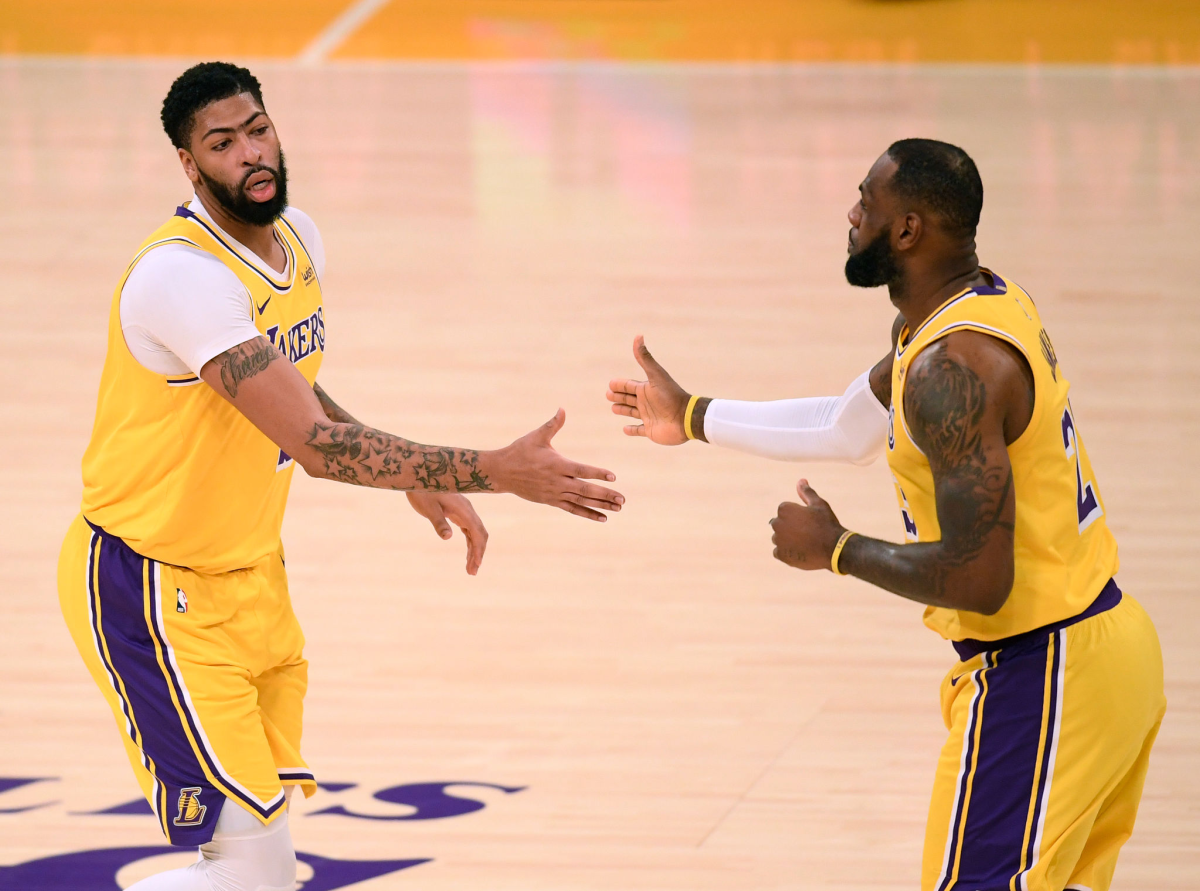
<point x="1109" y="596"/>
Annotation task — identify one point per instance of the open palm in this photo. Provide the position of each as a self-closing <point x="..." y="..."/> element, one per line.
<point x="658" y="402"/>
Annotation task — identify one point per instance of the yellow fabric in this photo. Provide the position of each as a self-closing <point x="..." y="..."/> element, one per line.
<point x="1110" y="695"/>
<point x="1063" y="548"/>
<point x="687" y="417"/>
<point x="238" y="650"/>
<point x="172" y="468"/>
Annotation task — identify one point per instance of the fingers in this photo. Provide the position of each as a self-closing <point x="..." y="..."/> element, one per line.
<point x="635" y="430"/>
<point x="649" y="363"/>
<point x="594" y="503"/>
<point x="462" y="512"/>
<point x="627" y="410"/>
<point x="580" y="511"/>
<point x="592" y="492"/>
<point x="587" y="472"/>
<point x="619" y="387"/>
<point x="477" y="539"/>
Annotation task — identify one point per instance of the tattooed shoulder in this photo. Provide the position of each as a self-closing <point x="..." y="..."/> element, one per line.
<point x="243" y="361"/>
<point x="944" y="401"/>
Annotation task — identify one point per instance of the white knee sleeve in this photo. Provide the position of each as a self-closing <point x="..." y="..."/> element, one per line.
<point x="244" y="855"/>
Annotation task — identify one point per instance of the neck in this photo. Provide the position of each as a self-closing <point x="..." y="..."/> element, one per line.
<point x="917" y="294"/>
<point x="260" y="239"/>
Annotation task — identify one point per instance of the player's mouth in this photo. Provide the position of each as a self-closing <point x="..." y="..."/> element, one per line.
<point x="261" y="185"/>
<point x="850" y="242"/>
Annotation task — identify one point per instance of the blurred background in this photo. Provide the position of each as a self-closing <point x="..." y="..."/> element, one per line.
<point x="1108" y="32"/>
<point x="509" y="191"/>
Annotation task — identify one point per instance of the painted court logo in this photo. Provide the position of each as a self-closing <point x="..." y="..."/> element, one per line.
<point x="191" y="811"/>
<point x="97" y="869"/>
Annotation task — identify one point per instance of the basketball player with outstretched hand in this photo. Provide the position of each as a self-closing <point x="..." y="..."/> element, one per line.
<point x="172" y="578"/>
<point x="1054" y="704"/>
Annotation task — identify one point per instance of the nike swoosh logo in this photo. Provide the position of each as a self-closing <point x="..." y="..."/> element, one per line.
<point x="954" y="681"/>
<point x="264" y="306"/>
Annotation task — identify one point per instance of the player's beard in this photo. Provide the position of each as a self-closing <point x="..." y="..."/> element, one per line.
<point x="874" y="265"/>
<point x="235" y="202"/>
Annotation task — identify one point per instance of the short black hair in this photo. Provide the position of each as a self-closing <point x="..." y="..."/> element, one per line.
<point x="943" y="178"/>
<point x="199" y="86"/>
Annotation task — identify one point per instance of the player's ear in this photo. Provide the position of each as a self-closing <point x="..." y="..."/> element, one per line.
<point x="189" y="165"/>
<point x="911" y="227"/>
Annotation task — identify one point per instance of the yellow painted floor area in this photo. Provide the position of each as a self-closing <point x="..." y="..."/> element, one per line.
<point x="1155" y="32"/>
<point x="281" y="28"/>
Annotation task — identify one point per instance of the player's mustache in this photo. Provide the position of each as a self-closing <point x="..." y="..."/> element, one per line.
<point x="259" y="168"/>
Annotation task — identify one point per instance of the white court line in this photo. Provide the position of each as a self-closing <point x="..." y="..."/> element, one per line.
<point x="340" y="29"/>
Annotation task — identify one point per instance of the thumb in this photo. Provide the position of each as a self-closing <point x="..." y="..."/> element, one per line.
<point x="548" y="430"/>
<point x="440" y="524"/>
<point x="807" y="493"/>
<point x="649" y="363"/>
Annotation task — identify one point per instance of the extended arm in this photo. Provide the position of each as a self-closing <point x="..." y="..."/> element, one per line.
<point x="849" y="428"/>
<point x="274" y="396"/>
<point x="961" y="395"/>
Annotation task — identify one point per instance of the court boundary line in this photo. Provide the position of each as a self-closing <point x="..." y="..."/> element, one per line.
<point x="981" y="69"/>
<point x="339" y="31"/>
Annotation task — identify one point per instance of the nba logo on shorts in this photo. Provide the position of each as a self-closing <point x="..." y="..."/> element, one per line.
<point x="191" y="811"/>
<point x="180" y="601"/>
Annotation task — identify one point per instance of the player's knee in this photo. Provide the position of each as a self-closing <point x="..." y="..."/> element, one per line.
<point x="245" y="855"/>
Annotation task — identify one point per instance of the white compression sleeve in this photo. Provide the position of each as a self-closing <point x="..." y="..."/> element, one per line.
<point x="244" y="855"/>
<point x="850" y="428"/>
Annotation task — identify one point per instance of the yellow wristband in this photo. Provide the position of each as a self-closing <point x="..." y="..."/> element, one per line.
<point x="837" y="551"/>
<point x="687" y="417"/>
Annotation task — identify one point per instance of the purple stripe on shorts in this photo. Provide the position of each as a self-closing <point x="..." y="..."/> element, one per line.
<point x="1010" y="733"/>
<point x="177" y="683"/>
<point x="119" y="594"/>
<point x="1031" y="852"/>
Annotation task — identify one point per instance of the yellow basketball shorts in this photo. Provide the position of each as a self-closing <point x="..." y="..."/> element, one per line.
<point x="1038" y="784"/>
<point x="205" y="675"/>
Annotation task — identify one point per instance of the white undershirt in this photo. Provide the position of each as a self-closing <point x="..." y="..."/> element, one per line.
<point x="181" y="306"/>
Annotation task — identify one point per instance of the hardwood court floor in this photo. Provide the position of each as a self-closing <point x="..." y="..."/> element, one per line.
<point x="680" y="711"/>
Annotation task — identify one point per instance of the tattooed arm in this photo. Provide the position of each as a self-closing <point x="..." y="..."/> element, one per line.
<point x="966" y="398"/>
<point x="439" y="508"/>
<point x="275" y="397"/>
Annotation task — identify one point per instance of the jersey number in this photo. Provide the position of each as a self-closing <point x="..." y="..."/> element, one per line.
<point x="1086" y="500"/>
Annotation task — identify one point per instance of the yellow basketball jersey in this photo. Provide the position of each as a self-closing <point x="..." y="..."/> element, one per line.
<point x="174" y="469"/>
<point x="1063" y="548"/>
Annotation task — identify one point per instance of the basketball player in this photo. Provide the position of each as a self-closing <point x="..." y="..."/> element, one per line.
<point x="172" y="579"/>
<point x="1058" y="692"/>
